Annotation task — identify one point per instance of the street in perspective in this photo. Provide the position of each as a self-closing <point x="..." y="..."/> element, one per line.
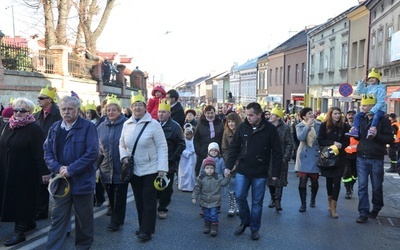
<point x="288" y="229"/>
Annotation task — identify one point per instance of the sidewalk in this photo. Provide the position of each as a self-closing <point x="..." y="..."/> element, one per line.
<point x="391" y="193"/>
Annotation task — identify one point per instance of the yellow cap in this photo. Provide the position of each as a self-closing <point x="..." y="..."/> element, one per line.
<point x="164" y="105"/>
<point x="90" y="106"/>
<point x="277" y="110"/>
<point x="112" y="99"/>
<point x="48" y="91"/>
<point x="368" y="100"/>
<point x="334" y="149"/>
<point x="138" y="97"/>
<point x="375" y="73"/>
<point x="321" y="117"/>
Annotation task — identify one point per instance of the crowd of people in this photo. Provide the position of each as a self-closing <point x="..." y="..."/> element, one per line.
<point x="205" y="150"/>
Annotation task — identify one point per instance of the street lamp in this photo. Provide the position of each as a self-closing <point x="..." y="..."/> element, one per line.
<point x="154" y="54"/>
<point x="13" y="21"/>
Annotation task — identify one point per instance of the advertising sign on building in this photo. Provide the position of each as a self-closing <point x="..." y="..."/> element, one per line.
<point x="395" y="48"/>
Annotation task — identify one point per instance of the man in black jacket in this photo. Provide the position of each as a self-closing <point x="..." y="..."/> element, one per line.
<point x="176" y="144"/>
<point x="253" y="144"/>
<point x="370" y="156"/>
<point x="49" y="114"/>
<point x="177" y="112"/>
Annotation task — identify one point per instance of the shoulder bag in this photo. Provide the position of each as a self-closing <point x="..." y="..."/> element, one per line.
<point x="127" y="169"/>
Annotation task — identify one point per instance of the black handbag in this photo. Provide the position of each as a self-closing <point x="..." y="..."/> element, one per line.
<point x="127" y="169"/>
<point x="327" y="158"/>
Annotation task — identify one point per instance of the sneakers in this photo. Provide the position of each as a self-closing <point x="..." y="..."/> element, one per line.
<point x="362" y="219"/>
<point x="348" y="194"/>
<point x="371" y="133"/>
<point x="373" y="214"/>
<point x="162" y="215"/>
<point x="391" y="170"/>
<point x="353" y="133"/>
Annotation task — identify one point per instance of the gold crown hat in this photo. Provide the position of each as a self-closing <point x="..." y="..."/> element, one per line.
<point x="277" y="110"/>
<point x="368" y="100"/>
<point x="12" y="100"/>
<point x="91" y="106"/>
<point x="112" y="99"/>
<point x="335" y="149"/>
<point x="48" y="91"/>
<point x="138" y="97"/>
<point x="321" y="117"/>
<point x="164" y="105"/>
<point x="375" y="73"/>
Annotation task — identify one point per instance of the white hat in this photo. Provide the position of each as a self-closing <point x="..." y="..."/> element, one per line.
<point x="213" y="145"/>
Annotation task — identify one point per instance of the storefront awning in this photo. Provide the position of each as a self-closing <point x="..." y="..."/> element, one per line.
<point x="395" y="95"/>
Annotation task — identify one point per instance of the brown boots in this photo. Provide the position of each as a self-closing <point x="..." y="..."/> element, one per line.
<point x="210" y="228"/>
<point x="332" y="207"/>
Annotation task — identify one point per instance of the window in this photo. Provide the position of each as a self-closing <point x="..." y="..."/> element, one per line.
<point x="312" y="65"/>
<point x="270" y="77"/>
<point x="389" y="43"/>
<point x="303" y="73"/>
<point x="281" y="75"/>
<point x="361" y="53"/>
<point x="332" y="59"/>
<point x="297" y="74"/>
<point x="288" y="75"/>
<point x="276" y="76"/>
<point x="321" y="62"/>
<point x="379" y="52"/>
<point x="354" y="51"/>
<point x="344" y="62"/>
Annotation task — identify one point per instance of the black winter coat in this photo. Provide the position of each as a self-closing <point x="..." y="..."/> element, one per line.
<point x="327" y="139"/>
<point x="254" y="148"/>
<point x="376" y="148"/>
<point x="178" y="114"/>
<point x="176" y="143"/>
<point x="21" y="162"/>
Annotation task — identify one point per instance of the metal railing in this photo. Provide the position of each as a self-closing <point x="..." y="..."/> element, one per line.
<point x="19" y="57"/>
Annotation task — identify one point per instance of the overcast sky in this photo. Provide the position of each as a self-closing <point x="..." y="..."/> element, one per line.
<point x="178" y="40"/>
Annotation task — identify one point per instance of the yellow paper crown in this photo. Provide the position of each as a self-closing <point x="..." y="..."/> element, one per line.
<point x="368" y="100"/>
<point x="277" y="110"/>
<point x="48" y="91"/>
<point x="321" y="117"/>
<point x="36" y="109"/>
<point x="137" y="97"/>
<point x="164" y="105"/>
<point x="112" y="99"/>
<point x="12" y="100"/>
<point x="90" y="106"/>
<point x="375" y="73"/>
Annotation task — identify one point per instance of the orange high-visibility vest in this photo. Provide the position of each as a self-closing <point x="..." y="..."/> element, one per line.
<point x="397" y="136"/>
<point x="352" y="148"/>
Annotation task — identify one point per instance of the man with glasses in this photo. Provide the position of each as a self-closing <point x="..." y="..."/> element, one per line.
<point x="49" y="114"/>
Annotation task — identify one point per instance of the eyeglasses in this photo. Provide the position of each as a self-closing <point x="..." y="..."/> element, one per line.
<point x="42" y="98"/>
<point x="22" y="111"/>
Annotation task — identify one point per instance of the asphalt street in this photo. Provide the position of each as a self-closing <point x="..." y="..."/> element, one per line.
<point x="289" y="229"/>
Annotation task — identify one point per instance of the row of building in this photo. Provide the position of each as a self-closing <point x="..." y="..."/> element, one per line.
<point x="318" y="67"/>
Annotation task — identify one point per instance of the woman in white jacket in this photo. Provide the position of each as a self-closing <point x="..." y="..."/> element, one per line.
<point x="150" y="160"/>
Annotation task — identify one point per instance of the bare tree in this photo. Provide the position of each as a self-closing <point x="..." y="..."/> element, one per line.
<point x="56" y="28"/>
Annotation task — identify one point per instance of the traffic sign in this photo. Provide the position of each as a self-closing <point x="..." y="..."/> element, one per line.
<point x="345" y="89"/>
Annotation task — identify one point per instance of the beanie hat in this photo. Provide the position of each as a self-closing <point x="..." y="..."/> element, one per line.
<point x="74" y="94"/>
<point x="7" y="112"/>
<point x="209" y="161"/>
<point x="213" y="145"/>
<point x="351" y="111"/>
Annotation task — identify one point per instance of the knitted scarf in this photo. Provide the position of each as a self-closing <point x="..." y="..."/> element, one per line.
<point x="22" y="122"/>
<point x="311" y="136"/>
<point x="212" y="130"/>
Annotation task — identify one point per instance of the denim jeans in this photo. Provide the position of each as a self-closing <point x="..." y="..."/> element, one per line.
<point x="253" y="218"/>
<point x="374" y="169"/>
<point x="210" y="214"/>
